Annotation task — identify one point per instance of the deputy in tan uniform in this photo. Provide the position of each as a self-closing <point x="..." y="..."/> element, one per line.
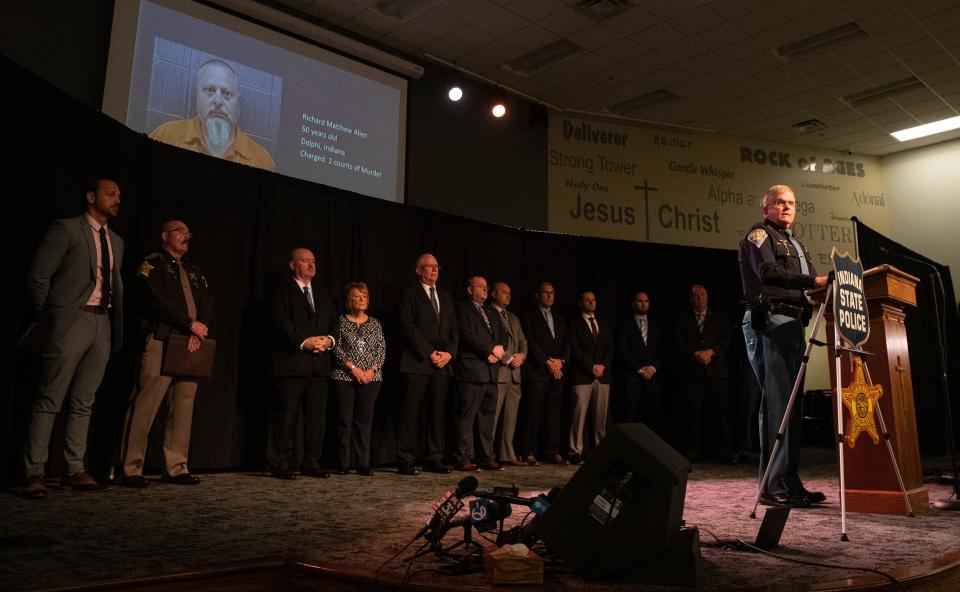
<point x="175" y="300"/>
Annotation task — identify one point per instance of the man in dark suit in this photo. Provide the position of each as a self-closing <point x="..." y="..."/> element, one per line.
<point x="430" y="337"/>
<point x="477" y="372"/>
<point x="591" y="356"/>
<point x="703" y="338"/>
<point x="77" y="295"/>
<point x="638" y="346"/>
<point x="543" y="377"/>
<point x="304" y="324"/>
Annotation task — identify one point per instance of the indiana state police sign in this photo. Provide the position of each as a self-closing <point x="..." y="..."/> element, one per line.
<point x="850" y="303"/>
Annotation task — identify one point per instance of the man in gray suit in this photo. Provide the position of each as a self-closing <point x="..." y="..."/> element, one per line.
<point x="76" y="293"/>
<point x="508" y="389"/>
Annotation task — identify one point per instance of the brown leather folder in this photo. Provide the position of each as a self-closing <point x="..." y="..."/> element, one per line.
<point x="179" y="362"/>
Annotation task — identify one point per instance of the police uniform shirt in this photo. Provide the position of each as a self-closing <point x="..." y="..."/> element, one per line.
<point x="770" y="266"/>
<point x="165" y="308"/>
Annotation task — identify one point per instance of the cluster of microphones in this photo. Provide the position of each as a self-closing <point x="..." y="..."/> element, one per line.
<point x="484" y="512"/>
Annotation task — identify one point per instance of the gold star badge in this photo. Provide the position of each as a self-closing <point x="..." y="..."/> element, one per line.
<point x="144" y="269"/>
<point x="860" y="400"/>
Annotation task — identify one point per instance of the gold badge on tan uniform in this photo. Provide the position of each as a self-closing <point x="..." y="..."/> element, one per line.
<point x="861" y="400"/>
<point x="144" y="269"/>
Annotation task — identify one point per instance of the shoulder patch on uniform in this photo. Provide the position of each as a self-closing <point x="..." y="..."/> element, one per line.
<point x="757" y="237"/>
<point x="145" y="269"/>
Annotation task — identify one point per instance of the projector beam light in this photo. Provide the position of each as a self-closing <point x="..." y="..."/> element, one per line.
<point x="927" y="129"/>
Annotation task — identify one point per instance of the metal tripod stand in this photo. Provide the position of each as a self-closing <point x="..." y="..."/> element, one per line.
<point x="839" y="349"/>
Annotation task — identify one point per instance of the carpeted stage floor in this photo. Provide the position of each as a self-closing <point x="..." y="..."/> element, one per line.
<point x="358" y="522"/>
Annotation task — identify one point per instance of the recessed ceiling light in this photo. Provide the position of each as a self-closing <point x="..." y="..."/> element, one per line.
<point x="927" y="129"/>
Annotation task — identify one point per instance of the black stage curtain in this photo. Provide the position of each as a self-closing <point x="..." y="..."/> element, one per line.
<point x="926" y="364"/>
<point x="246" y="222"/>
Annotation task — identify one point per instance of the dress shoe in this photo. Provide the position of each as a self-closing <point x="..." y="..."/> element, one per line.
<point x="437" y="467"/>
<point x="81" y="481"/>
<point x="135" y="481"/>
<point x="365" y="471"/>
<point x="556" y="459"/>
<point x="576" y="459"/>
<point x="532" y="460"/>
<point x="466" y="466"/>
<point x="513" y="463"/>
<point x="342" y="471"/>
<point x="491" y="466"/>
<point x="407" y="470"/>
<point x="35" y="487"/>
<point x="314" y="472"/>
<point x="815" y="497"/>
<point x="282" y="473"/>
<point x="181" y="479"/>
<point x="792" y="500"/>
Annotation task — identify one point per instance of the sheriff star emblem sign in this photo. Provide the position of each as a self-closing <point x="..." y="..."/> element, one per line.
<point x="860" y="400"/>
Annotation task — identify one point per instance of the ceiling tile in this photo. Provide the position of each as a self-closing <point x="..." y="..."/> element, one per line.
<point x="761" y="20"/>
<point x="467" y="10"/>
<point x="594" y="36"/>
<point x="934" y="61"/>
<point x="942" y="21"/>
<point x="534" y="10"/>
<point x="801" y="10"/>
<point x="565" y="21"/>
<point x="732" y="10"/>
<point x="666" y="9"/>
<point x="646" y="63"/>
<point x="696" y="20"/>
<point x="444" y="50"/>
<point x="408" y="39"/>
<point x="779" y="35"/>
<point x="657" y="36"/>
<point x="719" y="36"/>
<point x="621" y="50"/>
<point x="336" y="13"/>
<point x="372" y="24"/>
<point x="667" y="76"/>
<point x="883" y="21"/>
<point x="531" y="37"/>
<point x="469" y="38"/>
<point x="741" y="50"/>
<point x="682" y="50"/>
<point x="631" y="21"/>
<point x="500" y="22"/>
<point x="434" y="23"/>
<point x="925" y="8"/>
<point x="916" y="49"/>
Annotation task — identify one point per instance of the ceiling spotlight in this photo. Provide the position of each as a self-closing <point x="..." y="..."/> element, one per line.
<point x="498" y="109"/>
<point x="455" y="93"/>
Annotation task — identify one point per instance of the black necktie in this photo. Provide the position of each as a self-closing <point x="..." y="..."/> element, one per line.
<point x="594" y="330"/>
<point x="104" y="269"/>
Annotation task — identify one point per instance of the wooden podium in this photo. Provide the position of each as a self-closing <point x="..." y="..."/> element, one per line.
<point x="871" y="484"/>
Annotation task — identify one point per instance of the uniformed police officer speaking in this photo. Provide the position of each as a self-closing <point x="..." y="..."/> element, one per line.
<point x="776" y="270"/>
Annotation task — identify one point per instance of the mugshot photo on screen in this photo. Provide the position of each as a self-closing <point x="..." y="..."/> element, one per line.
<point x="213" y="105"/>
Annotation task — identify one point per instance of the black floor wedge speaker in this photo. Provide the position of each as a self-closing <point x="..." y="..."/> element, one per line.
<point x="623" y="508"/>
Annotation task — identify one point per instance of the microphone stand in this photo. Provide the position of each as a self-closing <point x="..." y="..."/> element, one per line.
<point x="940" y="298"/>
